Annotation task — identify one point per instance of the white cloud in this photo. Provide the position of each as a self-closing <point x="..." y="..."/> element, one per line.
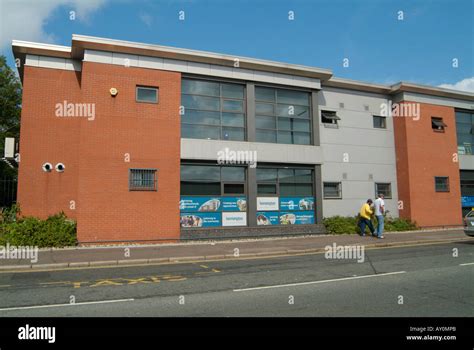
<point x="25" y="19"/>
<point x="463" y="85"/>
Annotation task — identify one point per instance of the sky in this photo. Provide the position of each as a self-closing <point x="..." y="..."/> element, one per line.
<point x="381" y="41"/>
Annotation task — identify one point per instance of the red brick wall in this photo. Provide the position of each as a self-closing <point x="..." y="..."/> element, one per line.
<point x="96" y="175"/>
<point x="423" y="154"/>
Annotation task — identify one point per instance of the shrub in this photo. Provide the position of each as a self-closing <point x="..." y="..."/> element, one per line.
<point x="349" y="224"/>
<point x="55" y="231"/>
<point x="341" y="224"/>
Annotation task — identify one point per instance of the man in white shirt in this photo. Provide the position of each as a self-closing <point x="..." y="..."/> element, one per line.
<point x="379" y="210"/>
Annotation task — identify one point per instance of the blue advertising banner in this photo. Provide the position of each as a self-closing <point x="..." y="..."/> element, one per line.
<point x="297" y="218"/>
<point x="200" y="204"/>
<point x="268" y="218"/>
<point x="297" y="203"/>
<point x="234" y="203"/>
<point x="201" y="219"/>
<point x="212" y="204"/>
<point x="467" y="201"/>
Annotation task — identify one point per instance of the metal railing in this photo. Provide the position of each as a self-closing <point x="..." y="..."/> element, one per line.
<point x="8" y="190"/>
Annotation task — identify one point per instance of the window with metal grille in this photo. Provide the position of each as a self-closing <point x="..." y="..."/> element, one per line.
<point x="142" y="180"/>
<point x="332" y="190"/>
<point x="441" y="184"/>
<point x="385" y="189"/>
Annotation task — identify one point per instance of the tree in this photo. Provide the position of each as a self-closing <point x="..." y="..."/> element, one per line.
<point x="10" y="110"/>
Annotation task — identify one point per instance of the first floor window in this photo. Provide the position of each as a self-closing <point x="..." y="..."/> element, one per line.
<point x="213" y="110"/>
<point x="142" y="180"/>
<point x="147" y="94"/>
<point x="329" y="117"/>
<point x="437" y="124"/>
<point x="282" y="116"/>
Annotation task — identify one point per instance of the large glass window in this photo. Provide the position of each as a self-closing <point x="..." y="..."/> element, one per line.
<point x="282" y="116"/>
<point x="212" y="196"/>
<point x="284" y="182"/>
<point x="212" y="110"/>
<point x="464" y="131"/>
<point x="197" y="180"/>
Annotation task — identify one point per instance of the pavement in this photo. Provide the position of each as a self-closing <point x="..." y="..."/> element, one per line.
<point x="79" y="257"/>
<point x="426" y="280"/>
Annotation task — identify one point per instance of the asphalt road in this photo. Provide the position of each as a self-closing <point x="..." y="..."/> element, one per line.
<point x="425" y="280"/>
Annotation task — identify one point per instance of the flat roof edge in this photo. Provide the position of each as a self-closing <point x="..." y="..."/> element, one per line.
<point x="81" y="42"/>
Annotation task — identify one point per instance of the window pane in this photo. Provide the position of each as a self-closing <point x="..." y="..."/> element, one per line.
<point x="293" y="97"/>
<point x="296" y="189"/>
<point x="201" y="102"/>
<point x="234" y="188"/>
<point x="303" y="175"/>
<point x="200" y="132"/>
<point x="266" y="175"/>
<point x="301" y="138"/>
<point x="264" y="122"/>
<point x="284" y="137"/>
<point x="265" y="136"/>
<point x="293" y="111"/>
<point x="233" y="173"/>
<point x="463" y="117"/>
<point x="233" y="106"/>
<point x="379" y="122"/>
<point x="301" y="125"/>
<point x="235" y="134"/>
<point x="147" y="94"/>
<point x="284" y="124"/>
<point x="266" y="189"/>
<point x="233" y="91"/>
<point x="264" y="94"/>
<point x="201" y="117"/>
<point x="233" y="119"/>
<point x="264" y="108"/>
<point x="286" y="175"/>
<point x="441" y="184"/>
<point x="293" y="124"/>
<point x="463" y="128"/>
<point x="200" y="188"/>
<point x="200" y="173"/>
<point x="197" y="87"/>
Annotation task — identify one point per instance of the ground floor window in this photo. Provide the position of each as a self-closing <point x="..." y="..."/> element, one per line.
<point x="213" y="196"/>
<point x="285" y="196"/>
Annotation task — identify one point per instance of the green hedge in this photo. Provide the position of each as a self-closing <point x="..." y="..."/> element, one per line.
<point x="55" y="231"/>
<point x="348" y="224"/>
